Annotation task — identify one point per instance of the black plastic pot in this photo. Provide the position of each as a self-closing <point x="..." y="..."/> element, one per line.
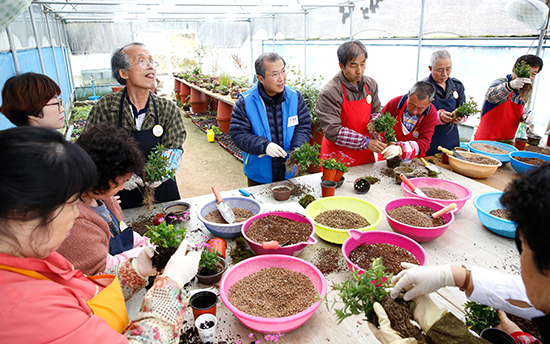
<point x="393" y="162"/>
<point x="361" y="186"/>
<point x="497" y="336"/>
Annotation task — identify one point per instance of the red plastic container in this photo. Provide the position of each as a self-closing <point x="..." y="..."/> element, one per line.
<point x="219" y="245"/>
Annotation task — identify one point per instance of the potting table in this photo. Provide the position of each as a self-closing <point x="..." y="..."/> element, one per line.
<point x="466" y="241"/>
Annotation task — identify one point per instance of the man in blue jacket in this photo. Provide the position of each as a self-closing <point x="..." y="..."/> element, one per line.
<point x="268" y="122"/>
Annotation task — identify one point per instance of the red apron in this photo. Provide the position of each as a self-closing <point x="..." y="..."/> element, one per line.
<point x="399" y="128"/>
<point x="501" y="122"/>
<point x="355" y="115"/>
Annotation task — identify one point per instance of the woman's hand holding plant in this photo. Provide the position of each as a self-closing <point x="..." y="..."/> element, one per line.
<point x="143" y="263"/>
<point x="385" y="334"/>
<point x="184" y="264"/>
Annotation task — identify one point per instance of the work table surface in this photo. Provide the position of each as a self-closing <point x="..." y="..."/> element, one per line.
<point x="466" y="241"/>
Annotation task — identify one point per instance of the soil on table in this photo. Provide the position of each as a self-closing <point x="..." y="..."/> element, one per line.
<point x="329" y="260"/>
<point x="400" y="318"/>
<point x="438" y="193"/>
<point x="206" y="325"/>
<point x="482" y="160"/>
<point x="273" y="293"/>
<point x="391" y="255"/>
<point x="190" y="335"/>
<point x="278" y="228"/>
<point x="530" y="161"/>
<point x="502" y="213"/>
<point x="140" y="224"/>
<point x="341" y="219"/>
<point x="416" y="215"/>
<point x="241" y="215"/>
<point x="489" y="149"/>
<point x="537" y="149"/>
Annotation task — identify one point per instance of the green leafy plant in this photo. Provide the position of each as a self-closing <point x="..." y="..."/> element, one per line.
<point x="209" y="260"/>
<point x="330" y="163"/>
<point x="241" y="251"/>
<point x="359" y="293"/>
<point x="157" y="166"/>
<point x="225" y="80"/>
<point x="522" y="70"/>
<point x="306" y="155"/>
<point x="479" y="317"/>
<point x="309" y="87"/>
<point x="306" y="200"/>
<point x="166" y="235"/>
<point x="336" y="161"/>
<point x="469" y="108"/>
<point x="384" y="124"/>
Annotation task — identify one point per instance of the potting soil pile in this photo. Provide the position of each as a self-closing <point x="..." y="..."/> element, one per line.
<point x="273" y="293"/>
<point x="488" y="148"/>
<point x="391" y="255"/>
<point x="482" y="160"/>
<point x="341" y="219"/>
<point x="438" y="193"/>
<point x="530" y="161"/>
<point x="415" y="215"/>
<point x="278" y="228"/>
<point x="241" y="215"/>
<point x="329" y="260"/>
<point x="502" y="213"/>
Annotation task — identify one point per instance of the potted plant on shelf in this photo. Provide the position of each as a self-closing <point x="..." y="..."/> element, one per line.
<point x="167" y="237"/>
<point x="211" y="265"/>
<point x="156" y="169"/>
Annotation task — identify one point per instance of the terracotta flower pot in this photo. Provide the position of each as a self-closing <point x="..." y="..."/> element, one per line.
<point x="338" y="175"/>
<point x="219" y="245"/>
<point x="224" y="116"/>
<point x="519" y="143"/>
<point x="281" y="190"/>
<point x="327" y="188"/>
<point x="211" y="279"/>
<point x="329" y="174"/>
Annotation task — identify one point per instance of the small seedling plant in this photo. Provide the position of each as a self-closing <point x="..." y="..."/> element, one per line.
<point x="304" y="156"/>
<point x="156" y="169"/>
<point x="467" y="109"/>
<point x="336" y="161"/>
<point x="166" y="235"/>
<point x="479" y="317"/>
<point x="383" y="126"/>
<point x="523" y="70"/>
<point x="209" y="260"/>
<point x="359" y="293"/>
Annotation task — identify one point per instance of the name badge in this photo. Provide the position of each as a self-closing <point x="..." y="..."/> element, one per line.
<point x="455" y="94"/>
<point x="369" y="99"/>
<point x="292" y="121"/>
<point x="415" y="134"/>
<point x="157" y="130"/>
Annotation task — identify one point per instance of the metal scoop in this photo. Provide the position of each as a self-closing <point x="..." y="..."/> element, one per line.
<point x="224" y="208"/>
<point x="430" y="167"/>
<point x="452" y="153"/>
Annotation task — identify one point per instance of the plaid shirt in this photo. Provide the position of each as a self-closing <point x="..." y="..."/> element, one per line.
<point x="498" y="93"/>
<point x="170" y="118"/>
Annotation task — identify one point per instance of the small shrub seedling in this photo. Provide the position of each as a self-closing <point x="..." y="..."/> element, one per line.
<point x="479" y="317"/>
<point x="156" y="169"/>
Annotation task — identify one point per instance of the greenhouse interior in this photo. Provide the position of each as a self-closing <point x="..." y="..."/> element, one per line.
<point x="205" y="207"/>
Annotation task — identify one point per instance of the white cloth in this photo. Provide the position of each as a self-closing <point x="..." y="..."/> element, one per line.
<point x="493" y="288"/>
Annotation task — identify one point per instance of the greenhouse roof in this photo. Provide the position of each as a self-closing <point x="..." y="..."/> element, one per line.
<point x="159" y="10"/>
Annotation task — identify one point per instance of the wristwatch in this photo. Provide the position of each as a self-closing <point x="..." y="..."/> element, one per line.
<point x="467" y="277"/>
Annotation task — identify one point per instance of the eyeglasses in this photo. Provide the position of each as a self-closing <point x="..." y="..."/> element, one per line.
<point x="59" y="105"/>
<point x="276" y="74"/>
<point x="145" y="63"/>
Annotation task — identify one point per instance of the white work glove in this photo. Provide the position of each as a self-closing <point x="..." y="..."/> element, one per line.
<point x="527" y="118"/>
<point x="154" y="185"/>
<point x="392" y="151"/>
<point x="518" y="83"/>
<point x="385" y="334"/>
<point x="143" y="265"/>
<point x="424" y="279"/>
<point x="133" y="182"/>
<point x="425" y="312"/>
<point x="275" y="151"/>
<point x="181" y="267"/>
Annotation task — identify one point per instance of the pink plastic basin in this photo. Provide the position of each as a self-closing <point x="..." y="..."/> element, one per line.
<point x="420" y="234"/>
<point x="291" y="250"/>
<point x="357" y="238"/>
<point x="463" y="193"/>
<point x="251" y="265"/>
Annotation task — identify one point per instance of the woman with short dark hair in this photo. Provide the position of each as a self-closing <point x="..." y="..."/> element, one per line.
<point x="33" y="99"/>
<point x="44" y="299"/>
<point x="99" y="238"/>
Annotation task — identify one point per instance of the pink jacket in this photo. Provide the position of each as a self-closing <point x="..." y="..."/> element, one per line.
<point x="87" y="245"/>
<point x="53" y="311"/>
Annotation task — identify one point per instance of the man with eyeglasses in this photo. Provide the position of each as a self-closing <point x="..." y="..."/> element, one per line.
<point x="152" y="120"/>
<point x="268" y="122"/>
<point x="345" y="105"/>
<point x="449" y="96"/>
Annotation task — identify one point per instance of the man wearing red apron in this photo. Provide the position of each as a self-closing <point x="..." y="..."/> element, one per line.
<point x="416" y="119"/>
<point x="345" y="105"/>
<point x="503" y="109"/>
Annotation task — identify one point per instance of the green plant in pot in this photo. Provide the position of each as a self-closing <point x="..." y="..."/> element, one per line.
<point x="156" y="169"/>
<point x="167" y="238"/>
<point x="211" y="265"/>
<point x="304" y="156"/>
<point x="337" y="162"/>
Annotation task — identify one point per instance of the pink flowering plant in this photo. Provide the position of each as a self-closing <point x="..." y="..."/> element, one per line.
<point x="166" y="235"/>
<point x="209" y="260"/>
<point x="268" y="338"/>
<point x="173" y="218"/>
<point x="336" y="161"/>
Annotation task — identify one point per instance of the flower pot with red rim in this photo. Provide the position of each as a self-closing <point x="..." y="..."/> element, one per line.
<point x="338" y="175"/>
<point x="520" y="142"/>
<point x="203" y="302"/>
<point x="327" y="188"/>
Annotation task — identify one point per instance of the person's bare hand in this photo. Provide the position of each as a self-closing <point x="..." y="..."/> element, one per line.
<point x="376" y="146"/>
<point x="446" y="117"/>
<point x="506" y="324"/>
<point x="117" y="199"/>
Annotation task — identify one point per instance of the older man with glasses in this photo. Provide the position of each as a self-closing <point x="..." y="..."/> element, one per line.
<point x="151" y="119"/>
<point x="269" y="121"/>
